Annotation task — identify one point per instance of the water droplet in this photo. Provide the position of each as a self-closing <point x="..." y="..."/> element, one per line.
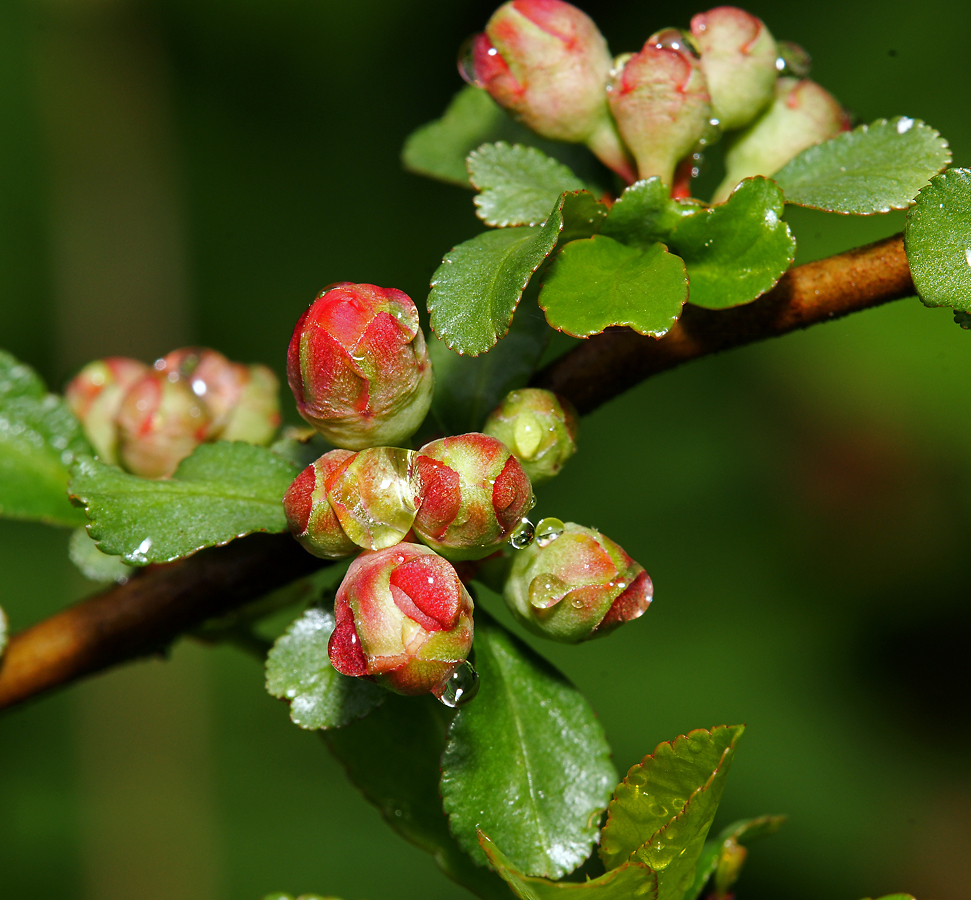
<point x="461" y="688"/>
<point x="548" y="530"/>
<point x="466" y="60"/>
<point x="967" y="254"/>
<point x="793" y="60"/>
<point x="904" y="125"/>
<point x="522" y="535"/>
<point x="546" y="591"/>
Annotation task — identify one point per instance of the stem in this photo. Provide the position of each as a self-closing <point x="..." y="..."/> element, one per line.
<point x="156" y="606"/>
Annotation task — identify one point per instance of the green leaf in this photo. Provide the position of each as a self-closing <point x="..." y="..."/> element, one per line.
<point x="393" y="756"/>
<point x="598" y="282"/>
<point x="39" y="440"/>
<point x="92" y="563"/>
<point x="738" y="833"/>
<point x="630" y="880"/>
<point x="662" y="805"/>
<point x="299" y="670"/>
<point x="938" y="241"/>
<point x="872" y="169"/>
<point x="526" y="761"/>
<point x="220" y="492"/>
<point x="518" y="185"/>
<point x="645" y="214"/>
<point x="737" y="250"/>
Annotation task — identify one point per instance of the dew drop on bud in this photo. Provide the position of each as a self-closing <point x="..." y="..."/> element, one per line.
<point x="793" y="60"/>
<point x="548" y="530"/>
<point x="522" y="535"/>
<point x="466" y="60"/>
<point x="461" y="688"/>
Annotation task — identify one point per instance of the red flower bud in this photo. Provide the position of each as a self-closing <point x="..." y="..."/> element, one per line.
<point x="404" y="619"/>
<point x="738" y="57"/>
<point x="660" y="101"/>
<point x="546" y="62"/>
<point x="94" y="396"/>
<point x="359" y="368"/>
<point x="311" y="518"/>
<point x="539" y="428"/>
<point x="579" y="586"/>
<point x="473" y="494"/>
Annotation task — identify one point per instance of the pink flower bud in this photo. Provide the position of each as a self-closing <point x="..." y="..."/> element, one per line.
<point x="738" y="58"/>
<point x="801" y="115"/>
<point x="94" y="396"/>
<point x="474" y="493"/>
<point x="160" y="422"/>
<point x="579" y="586"/>
<point x="359" y="368"/>
<point x="256" y="416"/>
<point x="546" y="62"/>
<point x="539" y="428"/>
<point x="660" y="101"/>
<point x="215" y="380"/>
<point x="404" y="619"/>
<point x="311" y="518"/>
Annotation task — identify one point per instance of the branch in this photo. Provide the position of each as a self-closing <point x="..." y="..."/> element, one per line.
<point x="150" y="611"/>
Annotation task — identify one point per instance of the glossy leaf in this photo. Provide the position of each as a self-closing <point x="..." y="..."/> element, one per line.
<point x="938" y="241"/>
<point x="598" y="282"/>
<point x="39" y="440"/>
<point x="645" y="214"/>
<point x="298" y="670"/>
<point x="668" y="799"/>
<point x="92" y="563"/>
<point x="872" y="169"/>
<point x="630" y="880"/>
<point x="392" y="756"/>
<point x="737" y="250"/>
<point x="220" y="492"/>
<point x="526" y="761"/>
<point x="738" y="833"/>
<point x="518" y="185"/>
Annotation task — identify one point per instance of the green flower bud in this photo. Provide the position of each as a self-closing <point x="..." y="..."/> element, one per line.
<point x="579" y="586"/>
<point x="539" y="428"/>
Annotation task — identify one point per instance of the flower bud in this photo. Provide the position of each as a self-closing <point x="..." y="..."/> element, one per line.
<point x="738" y="58"/>
<point x="215" y="380"/>
<point x="660" y="101"/>
<point x="404" y="619"/>
<point x="358" y="366"/>
<point x="473" y="494"/>
<point x="577" y="587"/>
<point x="801" y="115"/>
<point x="256" y="415"/>
<point x="94" y="396"/>
<point x="160" y="422"/>
<point x="547" y="63"/>
<point x="539" y="428"/>
<point x="311" y="518"/>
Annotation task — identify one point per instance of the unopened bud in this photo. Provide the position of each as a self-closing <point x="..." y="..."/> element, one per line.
<point x="404" y="619"/>
<point x="358" y="366"/>
<point x="539" y="428"/>
<point x="312" y="520"/>
<point x="738" y="57"/>
<point x="473" y="492"/>
<point x="578" y="586"/>
<point x="214" y="380"/>
<point x="256" y="415"/>
<point x="547" y="63"/>
<point x="660" y="102"/>
<point x="94" y="396"/>
<point x="801" y="115"/>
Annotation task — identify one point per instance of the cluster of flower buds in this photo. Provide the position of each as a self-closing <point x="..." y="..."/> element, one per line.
<point x="149" y="418"/>
<point x="546" y="62"/>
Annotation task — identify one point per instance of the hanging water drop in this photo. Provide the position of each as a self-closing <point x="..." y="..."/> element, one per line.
<point x="461" y="688"/>
<point x="466" y="60"/>
<point x="548" y="530"/>
<point x="522" y="535"/>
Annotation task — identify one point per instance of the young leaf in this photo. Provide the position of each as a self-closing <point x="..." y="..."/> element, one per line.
<point x="92" y="563"/>
<point x="299" y="670"/>
<point x="220" y="492"/>
<point x="938" y="241"/>
<point x="630" y="880"/>
<point x="518" y="185"/>
<point x="392" y="756"/>
<point x="645" y="214"/>
<point x="668" y="799"/>
<point x="598" y="282"/>
<point x="526" y="761"/>
<point x="737" y="250"/>
<point x="872" y="169"/>
<point x="39" y="439"/>
<point x="737" y="834"/>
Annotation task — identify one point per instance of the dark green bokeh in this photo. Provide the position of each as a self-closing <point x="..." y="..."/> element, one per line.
<point x="803" y="506"/>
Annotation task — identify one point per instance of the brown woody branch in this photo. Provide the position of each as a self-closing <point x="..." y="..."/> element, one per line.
<point x="146" y="614"/>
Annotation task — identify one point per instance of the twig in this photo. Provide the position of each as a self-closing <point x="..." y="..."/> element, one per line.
<point x="150" y="611"/>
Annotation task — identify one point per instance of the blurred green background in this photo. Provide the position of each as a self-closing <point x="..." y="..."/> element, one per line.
<point x="194" y="171"/>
